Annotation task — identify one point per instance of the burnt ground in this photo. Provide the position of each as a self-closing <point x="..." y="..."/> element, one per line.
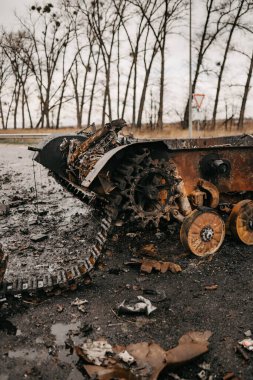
<point x="33" y="331"/>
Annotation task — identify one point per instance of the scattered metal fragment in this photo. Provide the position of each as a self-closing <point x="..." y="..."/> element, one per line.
<point x="149" y="250"/>
<point x="202" y="375"/>
<point x="38" y="237"/>
<point x="247" y="343"/>
<point x="149" y="358"/>
<point x="95" y="352"/>
<point x="205" y="366"/>
<point x="162" y="266"/>
<point x="59" y="308"/>
<point x="82" y="309"/>
<point x="78" y="302"/>
<point x="143" y="305"/>
<point x="248" y="333"/>
<point x="126" y="357"/>
<point x="132" y="234"/>
<point x="211" y="287"/>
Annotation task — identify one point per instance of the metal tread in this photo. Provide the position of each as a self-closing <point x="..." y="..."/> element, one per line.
<point x="64" y="278"/>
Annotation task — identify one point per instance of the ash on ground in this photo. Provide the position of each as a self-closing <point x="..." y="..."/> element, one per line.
<point x="51" y="229"/>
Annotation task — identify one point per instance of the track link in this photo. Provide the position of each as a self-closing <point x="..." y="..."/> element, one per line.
<point x="70" y="277"/>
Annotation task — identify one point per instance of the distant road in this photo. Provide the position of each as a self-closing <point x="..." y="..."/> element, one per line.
<point x="26" y="138"/>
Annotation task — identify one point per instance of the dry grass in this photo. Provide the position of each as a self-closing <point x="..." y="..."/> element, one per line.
<point x="170" y="131"/>
<point x="174" y="131"/>
<point x="40" y="130"/>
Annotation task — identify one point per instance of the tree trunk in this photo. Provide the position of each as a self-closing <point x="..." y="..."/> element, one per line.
<point x="199" y="63"/>
<point x="134" y="88"/>
<point x="216" y="102"/>
<point x="127" y="90"/>
<point x="104" y="107"/>
<point x="118" y="74"/>
<point x="60" y="105"/>
<point x="78" y="113"/>
<point x="93" y="89"/>
<point x="108" y="78"/>
<point x="17" y="94"/>
<point x="2" y="114"/>
<point x="160" y="110"/>
<point x="84" y="89"/>
<point x="23" y="108"/>
<point x="144" y="90"/>
<point x="245" y="95"/>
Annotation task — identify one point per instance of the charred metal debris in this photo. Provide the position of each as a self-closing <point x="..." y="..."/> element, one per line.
<point x="204" y="184"/>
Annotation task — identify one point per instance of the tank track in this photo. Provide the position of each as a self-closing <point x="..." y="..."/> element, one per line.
<point x="130" y="173"/>
<point x="75" y="190"/>
<point x="69" y="278"/>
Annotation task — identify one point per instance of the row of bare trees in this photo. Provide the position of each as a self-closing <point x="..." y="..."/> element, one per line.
<point x="93" y="59"/>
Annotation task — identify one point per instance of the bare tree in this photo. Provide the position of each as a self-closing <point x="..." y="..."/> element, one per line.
<point x="170" y="12"/>
<point x="148" y="10"/>
<point x="96" y="59"/>
<point x="83" y="45"/>
<point x="50" y="40"/>
<point x="245" y="93"/>
<point x="215" y="22"/>
<point x="134" y="44"/>
<point x="241" y="8"/>
<point x="104" y="20"/>
<point x="5" y="74"/>
<point x="17" y="48"/>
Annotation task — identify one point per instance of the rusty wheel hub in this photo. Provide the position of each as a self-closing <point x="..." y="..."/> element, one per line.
<point x="207" y="233"/>
<point x="202" y="232"/>
<point x="241" y="221"/>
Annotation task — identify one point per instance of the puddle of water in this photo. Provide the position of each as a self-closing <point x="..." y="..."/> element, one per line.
<point x="28" y="354"/>
<point x="61" y="332"/>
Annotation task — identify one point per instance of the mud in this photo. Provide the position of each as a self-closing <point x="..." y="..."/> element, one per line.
<point x="36" y="335"/>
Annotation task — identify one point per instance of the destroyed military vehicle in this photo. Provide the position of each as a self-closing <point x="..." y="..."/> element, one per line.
<point x="205" y="184"/>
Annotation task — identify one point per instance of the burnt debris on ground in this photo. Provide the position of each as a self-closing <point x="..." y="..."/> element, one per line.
<point x="38" y="335"/>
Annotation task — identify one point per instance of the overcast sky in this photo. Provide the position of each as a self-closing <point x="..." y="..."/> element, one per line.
<point x="177" y="61"/>
<point x="8" y="7"/>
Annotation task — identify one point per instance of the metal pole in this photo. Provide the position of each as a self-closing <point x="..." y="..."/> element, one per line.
<point x="190" y="70"/>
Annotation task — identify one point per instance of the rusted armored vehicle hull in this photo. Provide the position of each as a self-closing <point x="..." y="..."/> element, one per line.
<point x="205" y="184"/>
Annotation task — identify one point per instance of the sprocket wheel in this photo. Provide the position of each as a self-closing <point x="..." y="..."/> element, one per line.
<point x="241" y="221"/>
<point x="148" y="187"/>
<point x="202" y="232"/>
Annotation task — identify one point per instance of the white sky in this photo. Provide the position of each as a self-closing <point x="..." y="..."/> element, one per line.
<point x="7" y="9"/>
<point x="177" y="62"/>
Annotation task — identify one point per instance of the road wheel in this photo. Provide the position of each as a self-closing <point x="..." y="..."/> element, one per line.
<point x="241" y="221"/>
<point x="202" y="232"/>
